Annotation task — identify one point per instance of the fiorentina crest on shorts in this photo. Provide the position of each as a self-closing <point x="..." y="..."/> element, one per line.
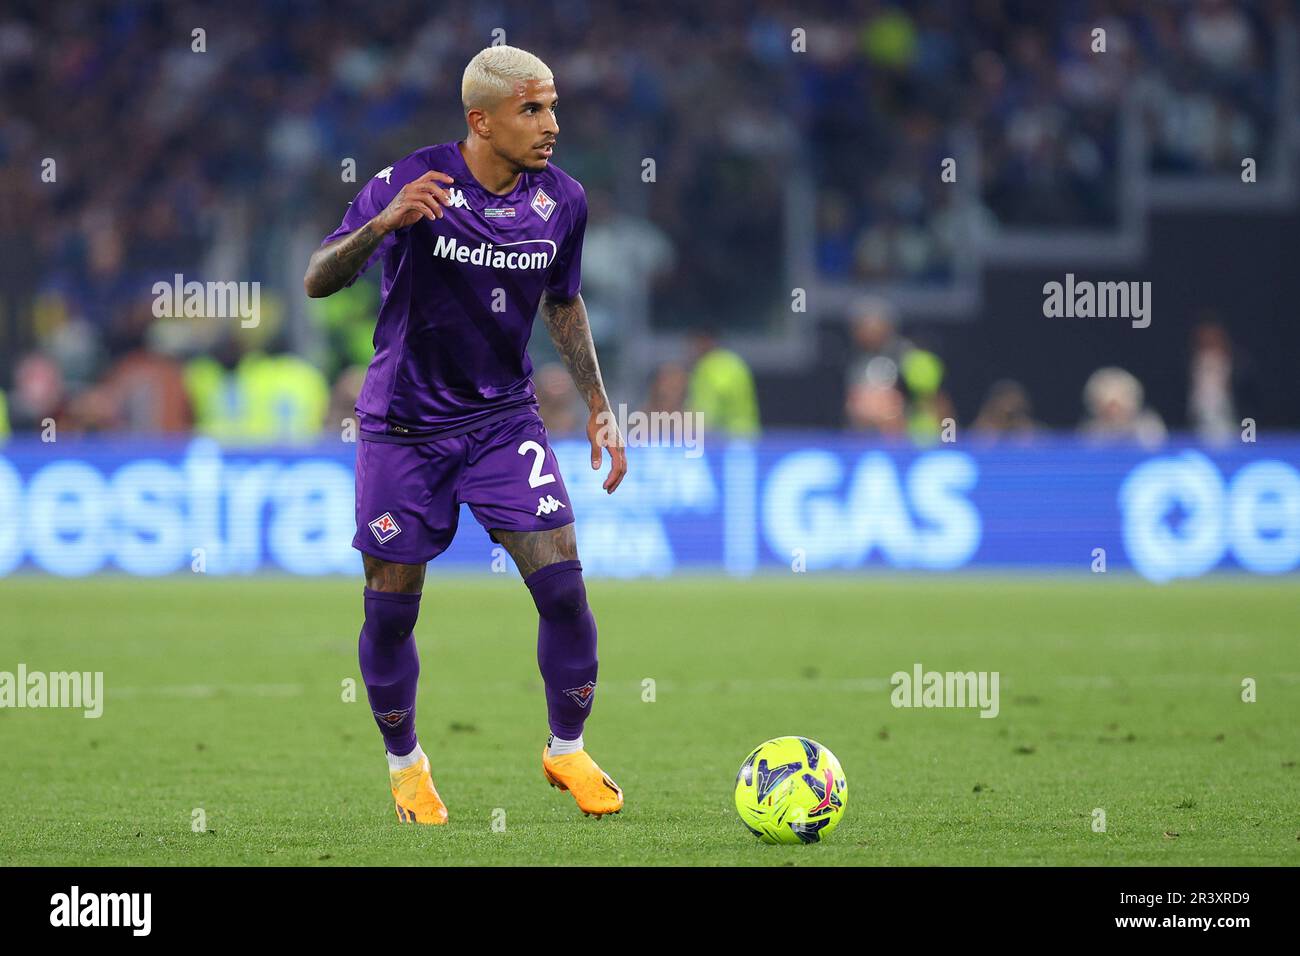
<point x="582" y="695"/>
<point x="543" y="205"/>
<point x="384" y="528"/>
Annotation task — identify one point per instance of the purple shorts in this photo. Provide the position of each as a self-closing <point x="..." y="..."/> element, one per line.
<point x="409" y="496"/>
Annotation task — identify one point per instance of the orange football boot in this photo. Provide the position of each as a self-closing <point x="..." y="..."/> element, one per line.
<point x="594" y="790"/>
<point x="417" y="799"/>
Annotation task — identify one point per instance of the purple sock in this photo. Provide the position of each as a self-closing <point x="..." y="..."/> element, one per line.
<point x="390" y="665"/>
<point x="566" y="645"/>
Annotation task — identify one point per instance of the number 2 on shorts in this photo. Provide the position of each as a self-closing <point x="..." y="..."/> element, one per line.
<point x="535" y="477"/>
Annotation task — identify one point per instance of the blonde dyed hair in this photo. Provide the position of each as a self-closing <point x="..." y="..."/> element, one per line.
<point x="495" y="71"/>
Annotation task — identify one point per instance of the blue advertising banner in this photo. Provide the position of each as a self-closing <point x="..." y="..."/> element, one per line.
<point x="811" y="501"/>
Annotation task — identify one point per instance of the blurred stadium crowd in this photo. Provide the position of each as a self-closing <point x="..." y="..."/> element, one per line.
<point x="1022" y="81"/>
<point x="227" y="164"/>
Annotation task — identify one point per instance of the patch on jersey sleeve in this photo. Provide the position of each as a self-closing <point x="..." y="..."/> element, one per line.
<point x="543" y="204"/>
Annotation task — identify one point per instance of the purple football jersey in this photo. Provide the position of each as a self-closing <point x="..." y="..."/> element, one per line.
<point x="459" y="295"/>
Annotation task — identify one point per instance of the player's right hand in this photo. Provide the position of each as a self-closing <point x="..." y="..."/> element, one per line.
<point x="419" y="199"/>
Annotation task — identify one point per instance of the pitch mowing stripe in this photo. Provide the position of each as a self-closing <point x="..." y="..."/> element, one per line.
<point x="199" y="691"/>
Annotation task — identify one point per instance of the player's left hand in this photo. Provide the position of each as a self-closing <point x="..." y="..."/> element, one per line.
<point x="602" y="432"/>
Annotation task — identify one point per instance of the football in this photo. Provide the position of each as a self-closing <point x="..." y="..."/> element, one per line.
<point x="791" y="790"/>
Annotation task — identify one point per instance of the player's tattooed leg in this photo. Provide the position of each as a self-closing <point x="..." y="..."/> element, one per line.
<point x="534" y="550"/>
<point x="392" y="577"/>
<point x="566" y="628"/>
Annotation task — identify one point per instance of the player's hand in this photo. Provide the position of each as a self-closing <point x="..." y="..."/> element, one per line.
<point x="602" y="431"/>
<point x="419" y="199"/>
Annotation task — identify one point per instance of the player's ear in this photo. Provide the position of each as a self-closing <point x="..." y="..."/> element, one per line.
<point x="477" y="120"/>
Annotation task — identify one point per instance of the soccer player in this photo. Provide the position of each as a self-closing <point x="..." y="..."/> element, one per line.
<point x="473" y="235"/>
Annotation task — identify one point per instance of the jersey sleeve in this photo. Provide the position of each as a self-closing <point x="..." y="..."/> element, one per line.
<point x="375" y="195"/>
<point x="565" y="278"/>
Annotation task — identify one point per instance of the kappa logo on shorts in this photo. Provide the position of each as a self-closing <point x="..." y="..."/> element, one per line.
<point x="385" y="528"/>
<point x="543" y="205"/>
<point x="582" y="695"/>
<point x="393" y="718"/>
<point x="548" y="504"/>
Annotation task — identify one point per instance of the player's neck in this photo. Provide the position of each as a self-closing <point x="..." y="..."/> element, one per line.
<point x="492" y="172"/>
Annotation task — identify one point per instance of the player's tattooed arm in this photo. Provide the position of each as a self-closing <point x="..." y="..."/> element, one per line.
<point x="566" y="320"/>
<point x="333" y="266"/>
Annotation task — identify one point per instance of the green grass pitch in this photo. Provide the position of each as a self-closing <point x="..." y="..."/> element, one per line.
<point x="226" y="696"/>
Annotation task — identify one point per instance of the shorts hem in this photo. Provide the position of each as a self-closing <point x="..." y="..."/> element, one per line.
<point x="499" y="526"/>
<point x="384" y="557"/>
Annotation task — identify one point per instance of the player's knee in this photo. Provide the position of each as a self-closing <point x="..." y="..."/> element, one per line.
<point x="390" y="616"/>
<point x="558" y="591"/>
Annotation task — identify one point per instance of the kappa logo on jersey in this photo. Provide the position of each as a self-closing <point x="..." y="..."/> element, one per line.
<point x="385" y="528"/>
<point x="582" y="695"/>
<point x="393" y="718"/>
<point x="386" y="174"/>
<point x="543" y="205"/>
<point x="457" y="197"/>
<point x="548" y="504"/>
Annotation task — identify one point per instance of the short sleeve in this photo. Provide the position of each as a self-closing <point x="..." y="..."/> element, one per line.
<point x="373" y="199"/>
<point x="565" y="278"/>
